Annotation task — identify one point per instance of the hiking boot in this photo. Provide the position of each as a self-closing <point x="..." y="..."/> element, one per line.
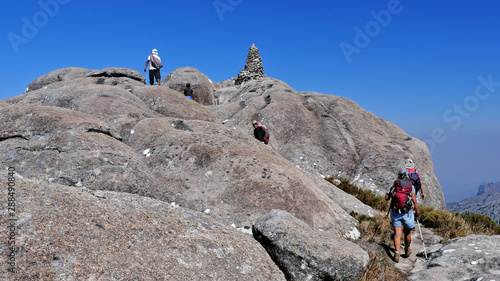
<point x="396" y="257"/>
<point x="407" y="251"/>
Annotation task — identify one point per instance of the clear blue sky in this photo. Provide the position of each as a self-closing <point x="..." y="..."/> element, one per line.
<point x="430" y="67"/>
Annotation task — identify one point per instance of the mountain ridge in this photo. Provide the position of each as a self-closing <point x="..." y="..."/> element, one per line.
<point x="486" y="202"/>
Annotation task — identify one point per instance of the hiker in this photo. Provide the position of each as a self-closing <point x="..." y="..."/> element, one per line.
<point x="188" y="91"/>
<point x="414" y="177"/>
<point x="260" y="132"/>
<point x="154" y="67"/>
<point x="404" y="200"/>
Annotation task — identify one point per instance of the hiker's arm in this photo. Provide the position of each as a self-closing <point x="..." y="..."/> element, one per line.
<point x="388" y="195"/>
<point x="145" y="67"/>
<point x="422" y="194"/>
<point x="415" y="204"/>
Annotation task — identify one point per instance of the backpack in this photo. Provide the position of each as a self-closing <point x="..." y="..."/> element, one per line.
<point x="266" y="135"/>
<point x="155" y="62"/>
<point x="401" y="199"/>
<point x="415" y="179"/>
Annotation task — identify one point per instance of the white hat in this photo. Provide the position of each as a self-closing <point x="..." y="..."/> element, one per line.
<point x="155" y="51"/>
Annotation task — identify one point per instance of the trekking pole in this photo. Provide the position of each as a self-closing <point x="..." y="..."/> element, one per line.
<point x="422" y="238"/>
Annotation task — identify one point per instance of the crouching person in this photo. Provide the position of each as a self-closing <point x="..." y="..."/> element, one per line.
<point x="403" y="204"/>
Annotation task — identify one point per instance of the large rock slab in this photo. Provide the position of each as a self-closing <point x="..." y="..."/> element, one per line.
<point x="475" y="257"/>
<point x="328" y="135"/>
<point x="69" y="233"/>
<point x="304" y="253"/>
<point x="70" y="148"/>
<point x="203" y="165"/>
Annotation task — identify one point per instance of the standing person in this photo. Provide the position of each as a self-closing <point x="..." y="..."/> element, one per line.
<point x="154" y="67"/>
<point x="188" y="92"/>
<point x="403" y="202"/>
<point x="414" y="177"/>
<point x="260" y="132"/>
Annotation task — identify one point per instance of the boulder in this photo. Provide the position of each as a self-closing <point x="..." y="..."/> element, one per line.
<point x="70" y="233"/>
<point x="203" y="87"/>
<point x="475" y="257"/>
<point x="304" y="253"/>
<point x="59" y="75"/>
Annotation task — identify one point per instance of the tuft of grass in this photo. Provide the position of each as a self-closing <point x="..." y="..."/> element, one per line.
<point x="379" y="269"/>
<point x="368" y="197"/>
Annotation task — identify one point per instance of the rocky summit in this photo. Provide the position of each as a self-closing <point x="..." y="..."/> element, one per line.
<point x="117" y="180"/>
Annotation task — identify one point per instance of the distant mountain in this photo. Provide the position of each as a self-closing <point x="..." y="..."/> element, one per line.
<point x="486" y="202"/>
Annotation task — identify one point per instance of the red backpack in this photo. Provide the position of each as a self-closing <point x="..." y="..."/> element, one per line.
<point x="266" y="135"/>
<point x="401" y="197"/>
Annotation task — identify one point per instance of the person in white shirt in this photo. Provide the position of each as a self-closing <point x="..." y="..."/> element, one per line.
<point x="154" y="72"/>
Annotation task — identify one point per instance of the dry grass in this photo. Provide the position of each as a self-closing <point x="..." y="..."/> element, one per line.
<point x="379" y="269"/>
<point x="451" y="225"/>
<point x="368" y="197"/>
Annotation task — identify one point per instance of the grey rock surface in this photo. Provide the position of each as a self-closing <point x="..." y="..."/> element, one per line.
<point x="104" y="133"/>
<point x="328" y="135"/>
<point x="304" y="253"/>
<point x="204" y="165"/>
<point x="475" y="257"/>
<point x="71" y="233"/>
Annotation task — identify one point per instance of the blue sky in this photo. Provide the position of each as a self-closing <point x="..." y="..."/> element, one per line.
<point x="430" y="67"/>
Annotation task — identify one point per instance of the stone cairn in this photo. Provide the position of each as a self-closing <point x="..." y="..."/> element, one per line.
<point x="253" y="67"/>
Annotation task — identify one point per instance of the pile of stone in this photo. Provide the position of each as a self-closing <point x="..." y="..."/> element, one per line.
<point x="253" y="67"/>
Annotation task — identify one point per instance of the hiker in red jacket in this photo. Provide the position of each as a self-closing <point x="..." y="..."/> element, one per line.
<point x="260" y="132"/>
<point x="154" y="67"/>
<point x="404" y="201"/>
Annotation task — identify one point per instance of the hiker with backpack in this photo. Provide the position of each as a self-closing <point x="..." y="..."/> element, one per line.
<point x="403" y="204"/>
<point x="414" y="177"/>
<point x="154" y="67"/>
<point x="260" y="132"/>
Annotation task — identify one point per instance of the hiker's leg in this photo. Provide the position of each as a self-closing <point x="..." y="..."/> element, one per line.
<point x="407" y="233"/>
<point x="158" y="76"/>
<point x="151" y="77"/>
<point x="398" y="232"/>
